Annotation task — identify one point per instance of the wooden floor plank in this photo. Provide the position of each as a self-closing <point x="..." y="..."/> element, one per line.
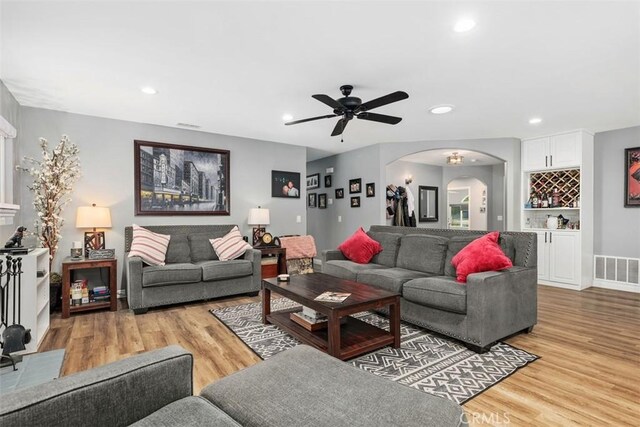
<point x="588" y="374"/>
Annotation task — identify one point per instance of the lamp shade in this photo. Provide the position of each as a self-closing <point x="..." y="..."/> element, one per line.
<point x="93" y="217"/>
<point x="258" y="216"/>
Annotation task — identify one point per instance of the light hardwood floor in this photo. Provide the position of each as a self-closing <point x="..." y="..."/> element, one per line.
<point x="588" y="374"/>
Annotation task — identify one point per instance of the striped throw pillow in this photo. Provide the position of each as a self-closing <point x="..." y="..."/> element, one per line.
<point x="230" y="246"/>
<point x="150" y="246"/>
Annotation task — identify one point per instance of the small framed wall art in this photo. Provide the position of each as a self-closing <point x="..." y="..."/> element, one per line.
<point x="311" y="200"/>
<point x="371" y="189"/>
<point x="322" y="201"/>
<point x="313" y="181"/>
<point x="355" y="202"/>
<point x="632" y="177"/>
<point x="339" y="193"/>
<point x="355" y="186"/>
<point x="327" y="181"/>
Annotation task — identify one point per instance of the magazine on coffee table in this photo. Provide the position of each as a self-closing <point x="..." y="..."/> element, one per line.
<point x="332" y="296"/>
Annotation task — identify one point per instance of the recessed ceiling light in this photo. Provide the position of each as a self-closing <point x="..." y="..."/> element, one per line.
<point x="148" y="90"/>
<point x="463" y="25"/>
<point x="535" y="121"/>
<point x="287" y="117"/>
<point x="473" y="160"/>
<point x="441" y="109"/>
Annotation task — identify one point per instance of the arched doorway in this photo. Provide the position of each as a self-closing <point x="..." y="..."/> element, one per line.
<point x="467" y="204"/>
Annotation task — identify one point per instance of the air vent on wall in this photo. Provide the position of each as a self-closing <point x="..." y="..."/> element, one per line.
<point x="617" y="273"/>
<point x="188" y="125"/>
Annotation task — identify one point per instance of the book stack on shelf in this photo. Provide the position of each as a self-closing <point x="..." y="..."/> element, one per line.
<point x="101" y="294"/>
<point x="310" y="319"/>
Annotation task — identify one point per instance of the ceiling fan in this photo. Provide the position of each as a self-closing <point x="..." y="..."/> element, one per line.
<point x="349" y="107"/>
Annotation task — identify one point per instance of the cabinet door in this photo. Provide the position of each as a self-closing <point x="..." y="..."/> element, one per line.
<point x="535" y="154"/>
<point x="564" y="257"/>
<point x="565" y="150"/>
<point x="543" y="255"/>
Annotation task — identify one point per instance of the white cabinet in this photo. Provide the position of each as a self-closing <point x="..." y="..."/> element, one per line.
<point x="34" y="301"/>
<point x="553" y="152"/>
<point x="559" y="257"/>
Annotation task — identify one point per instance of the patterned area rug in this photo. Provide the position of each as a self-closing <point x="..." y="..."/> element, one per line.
<point x="425" y="361"/>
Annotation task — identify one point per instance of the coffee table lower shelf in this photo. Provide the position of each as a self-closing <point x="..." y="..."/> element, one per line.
<point x="356" y="337"/>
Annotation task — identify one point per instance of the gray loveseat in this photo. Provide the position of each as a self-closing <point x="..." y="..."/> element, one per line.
<point x="299" y="387"/>
<point x="192" y="271"/>
<point x="416" y="262"/>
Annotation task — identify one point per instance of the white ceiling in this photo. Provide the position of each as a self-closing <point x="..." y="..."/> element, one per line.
<point x="439" y="158"/>
<point x="235" y="67"/>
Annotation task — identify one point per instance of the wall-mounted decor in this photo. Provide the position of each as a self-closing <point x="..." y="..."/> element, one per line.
<point x="427" y="203"/>
<point x="285" y="184"/>
<point x="355" y="185"/>
<point x="322" y="201"/>
<point x="313" y="181"/>
<point x="311" y="200"/>
<point x="327" y="181"/>
<point x="181" y="180"/>
<point x="632" y="177"/>
<point x="355" y="202"/>
<point x="371" y="189"/>
<point x="339" y="193"/>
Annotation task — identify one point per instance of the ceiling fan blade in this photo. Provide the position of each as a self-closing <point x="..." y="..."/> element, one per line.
<point x="295" y="122"/>
<point x="326" y="99"/>
<point x="340" y="126"/>
<point x="384" y="100"/>
<point x="382" y="118"/>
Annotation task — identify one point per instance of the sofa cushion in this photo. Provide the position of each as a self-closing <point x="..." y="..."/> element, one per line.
<point x="390" y="243"/>
<point x="230" y="246"/>
<point x="483" y="254"/>
<point x="178" y="250"/>
<point x="390" y="279"/>
<point x="359" y="247"/>
<point x="441" y="292"/>
<point x="200" y="246"/>
<point x="506" y="243"/>
<point x="188" y="411"/>
<point x="346" y="269"/>
<point x="422" y="253"/>
<point x="170" y="274"/>
<point x="150" y="246"/>
<point x="219" y="270"/>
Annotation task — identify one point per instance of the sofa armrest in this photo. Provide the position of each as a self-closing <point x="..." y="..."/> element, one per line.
<point x="331" y="255"/>
<point x="500" y="303"/>
<point x="255" y="256"/>
<point x="116" y="394"/>
<point x="133" y="273"/>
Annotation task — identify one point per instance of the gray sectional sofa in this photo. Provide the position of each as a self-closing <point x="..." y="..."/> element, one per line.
<point x="299" y="387"/>
<point x="192" y="271"/>
<point x="416" y="262"/>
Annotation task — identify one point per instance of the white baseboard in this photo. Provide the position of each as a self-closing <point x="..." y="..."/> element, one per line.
<point x="616" y="286"/>
<point x="122" y="293"/>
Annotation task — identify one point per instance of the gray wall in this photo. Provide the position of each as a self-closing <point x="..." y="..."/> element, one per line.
<point x="10" y="110"/>
<point x="106" y="155"/>
<point x="616" y="228"/>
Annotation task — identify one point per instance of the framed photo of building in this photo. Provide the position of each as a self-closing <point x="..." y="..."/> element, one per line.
<point x="285" y="184"/>
<point x="632" y="177"/>
<point x="175" y="179"/>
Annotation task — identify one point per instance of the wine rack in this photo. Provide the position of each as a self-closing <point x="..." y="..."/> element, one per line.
<point x="566" y="181"/>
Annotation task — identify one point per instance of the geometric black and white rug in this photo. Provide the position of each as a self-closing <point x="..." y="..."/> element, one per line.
<point x="425" y="361"/>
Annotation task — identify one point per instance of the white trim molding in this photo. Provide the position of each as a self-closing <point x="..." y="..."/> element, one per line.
<point x="6" y="130"/>
<point x="7" y="209"/>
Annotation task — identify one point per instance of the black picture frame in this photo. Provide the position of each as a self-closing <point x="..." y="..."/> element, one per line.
<point x="339" y="193"/>
<point x="311" y="200"/>
<point x="172" y="179"/>
<point x="355" y="186"/>
<point x="322" y="201"/>
<point x="282" y="179"/>
<point x="327" y="181"/>
<point x="313" y="181"/>
<point x="355" y="202"/>
<point x="371" y="189"/>
<point x="632" y="177"/>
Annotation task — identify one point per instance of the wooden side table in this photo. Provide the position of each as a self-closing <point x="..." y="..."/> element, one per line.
<point x="271" y="270"/>
<point x="68" y="265"/>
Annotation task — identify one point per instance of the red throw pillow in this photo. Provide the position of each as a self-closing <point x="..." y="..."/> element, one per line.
<point x="483" y="254"/>
<point x="359" y="247"/>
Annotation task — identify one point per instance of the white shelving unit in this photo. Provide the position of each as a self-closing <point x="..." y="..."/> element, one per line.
<point x="34" y="304"/>
<point x="563" y="161"/>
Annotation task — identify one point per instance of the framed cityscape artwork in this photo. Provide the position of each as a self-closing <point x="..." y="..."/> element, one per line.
<point x="632" y="177"/>
<point x="180" y="180"/>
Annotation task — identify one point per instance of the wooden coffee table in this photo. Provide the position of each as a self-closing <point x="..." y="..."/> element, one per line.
<point x="344" y="341"/>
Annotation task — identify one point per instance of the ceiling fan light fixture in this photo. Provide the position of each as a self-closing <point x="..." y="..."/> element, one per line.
<point x="441" y="109"/>
<point x="455" y="159"/>
<point x="287" y="117"/>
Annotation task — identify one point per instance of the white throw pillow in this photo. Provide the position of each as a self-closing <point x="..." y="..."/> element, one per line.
<point x="230" y="246"/>
<point x="150" y="246"/>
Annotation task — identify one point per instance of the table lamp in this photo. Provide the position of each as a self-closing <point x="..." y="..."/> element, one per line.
<point x="93" y="217"/>
<point x="258" y="216"/>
